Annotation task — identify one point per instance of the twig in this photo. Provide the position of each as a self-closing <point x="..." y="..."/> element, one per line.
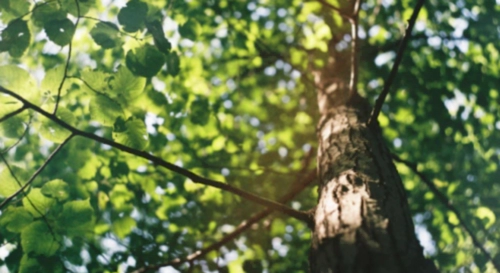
<point x="303" y="216"/>
<point x="11" y="114"/>
<point x="311" y="176"/>
<point x="36" y="173"/>
<point x="446" y="202"/>
<point x="27" y="197"/>
<point x="68" y="59"/>
<point x="7" y="149"/>
<point x="399" y="56"/>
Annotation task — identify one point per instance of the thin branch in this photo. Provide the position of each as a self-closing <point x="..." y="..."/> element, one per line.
<point x="303" y="216"/>
<point x="447" y="203"/>
<point x="68" y="59"/>
<point x="397" y="61"/>
<point x="11" y="114"/>
<point x="354" y="48"/>
<point x="27" y="197"/>
<point x="7" y="149"/>
<point x="310" y="177"/>
<point x="36" y="173"/>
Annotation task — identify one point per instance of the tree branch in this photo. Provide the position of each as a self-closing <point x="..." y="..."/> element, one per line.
<point x="380" y="100"/>
<point x="35" y="174"/>
<point x="310" y="177"/>
<point x="303" y="216"/>
<point x="68" y="59"/>
<point x="11" y="114"/>
<point x="447" y="203"/>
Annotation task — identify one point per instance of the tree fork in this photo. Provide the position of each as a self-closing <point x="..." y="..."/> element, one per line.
<point x="362" y="222"/>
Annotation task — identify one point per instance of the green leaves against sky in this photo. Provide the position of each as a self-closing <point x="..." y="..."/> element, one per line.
<point x="225" y="90"/>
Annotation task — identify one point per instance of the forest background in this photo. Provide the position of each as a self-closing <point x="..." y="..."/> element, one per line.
<point x="132" y="132"/>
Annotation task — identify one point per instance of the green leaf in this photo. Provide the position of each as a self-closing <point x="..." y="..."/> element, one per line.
<point x="60" y="31"/>
<point x="38" y="239"/>
<point x="9" y="184"/>
<point x="97" y="81"/>
<point x="14" y="127"/>
<point x="40" y="264"/>
<point x="15" y="219"/>
<point x="123" y="226"/>
<point x="36" y="203"/>
<point x="80" y="10"/>
<point x="19" y="81"/>
<point x="45" y="12"/>
<point x="15" y="38"/>
<point x="173" y="64"/>
<point x="145" y="61"/>
<point x="133" y="15"/>
<point x="126" y="85"/>
<point x="105" y="110"/>
<point x="120" y="196"/>
<point x="57" y="189"/>
<point x="53" y="131"/>
<point x="131" y="133"/>
<point x="156" y="29"/>
<point x="200" y="111"/>
<point x="77" y="216"/>
<point x="106" y="35"/>
<point x="488" y="214"/>
<point x="52" y="81"/>
<point x="190" y="30"/>
<point x="14" y="9"/>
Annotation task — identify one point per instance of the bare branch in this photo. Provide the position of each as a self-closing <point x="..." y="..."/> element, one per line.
<point x="68" y="59"/>
<point x="308" y="180"/>
<point x="447" y="203"/>
<point x="303" y="216"/>
<point x="35" y="174"/>
<point x="387" y="85"/>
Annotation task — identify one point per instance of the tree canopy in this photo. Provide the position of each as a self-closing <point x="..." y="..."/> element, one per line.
<point x="146" y="134"/>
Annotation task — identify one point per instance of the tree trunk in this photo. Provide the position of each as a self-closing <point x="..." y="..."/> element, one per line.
<point x="362" y="220"/>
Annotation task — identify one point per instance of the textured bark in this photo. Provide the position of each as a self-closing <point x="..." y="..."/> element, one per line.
<point x="362" y="223"/>
<point x="362" y="220"/>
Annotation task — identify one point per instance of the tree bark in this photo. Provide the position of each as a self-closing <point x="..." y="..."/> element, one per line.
<point x="362" y="223"/>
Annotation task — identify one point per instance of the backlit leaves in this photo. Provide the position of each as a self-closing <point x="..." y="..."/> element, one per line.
<point x="37" y="239"/>
<point x="105" y="110"/>
<point x="131" y="132"/>
<point x="56" y="189"/>
<point x="54" y="132"/>
<point x="106" y="35"/>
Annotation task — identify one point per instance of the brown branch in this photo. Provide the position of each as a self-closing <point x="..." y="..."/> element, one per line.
<point x="68" y="59"/>
<point x="35" y="174"/>
<point x="447" y="203"/>
<point x="303" y="216"/>
<point x="399" y="56"/>
<point x="310" y="177"/>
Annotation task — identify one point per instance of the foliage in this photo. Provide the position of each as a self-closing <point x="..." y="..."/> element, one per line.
<point x="221" y="88"/>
